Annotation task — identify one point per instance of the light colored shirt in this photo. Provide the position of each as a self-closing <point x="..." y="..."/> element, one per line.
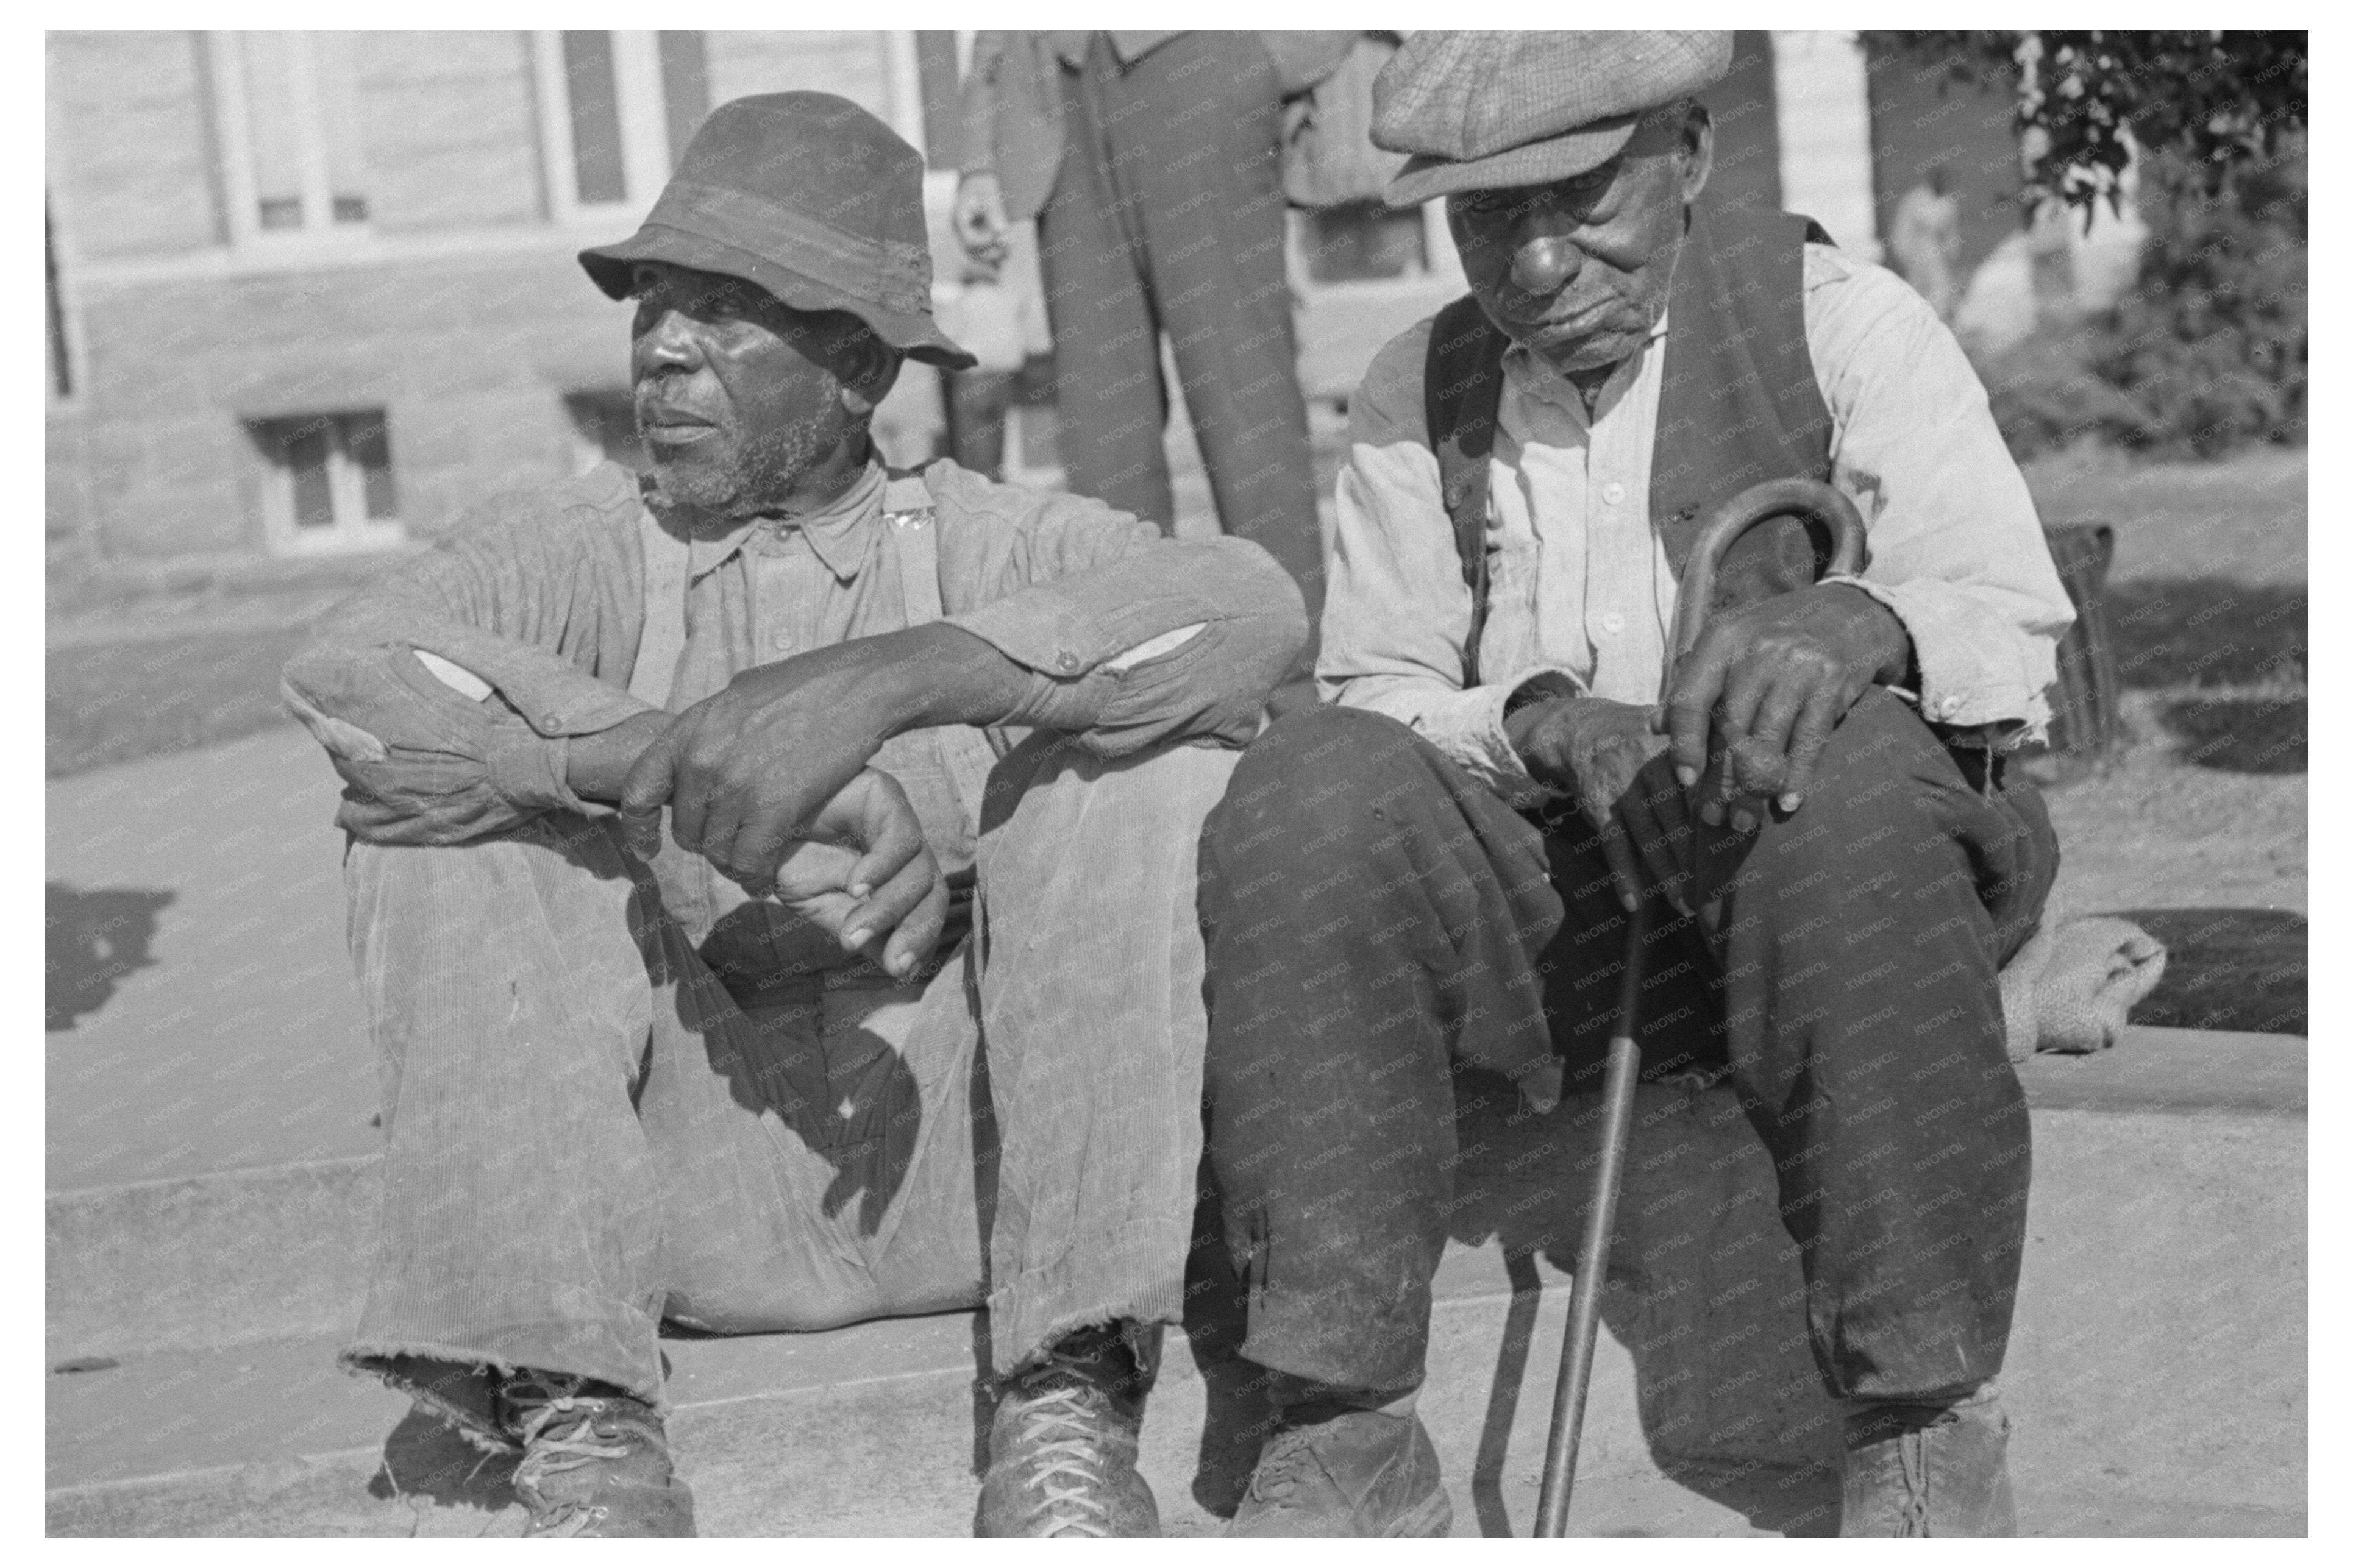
<point x="1579" y="584"/>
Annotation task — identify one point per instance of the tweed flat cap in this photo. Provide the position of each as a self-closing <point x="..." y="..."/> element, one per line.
<point x="1483" y="110"/>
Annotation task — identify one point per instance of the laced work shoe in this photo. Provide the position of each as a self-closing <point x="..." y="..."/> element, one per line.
<point x="1928" y="1469"/>
<point x="1062" y="1446"/>
<point x="1345" y="1472"/>
<point x="594" y="1464"/>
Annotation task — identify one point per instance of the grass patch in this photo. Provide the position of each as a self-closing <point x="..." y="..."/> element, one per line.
<point x="118" y="702"/>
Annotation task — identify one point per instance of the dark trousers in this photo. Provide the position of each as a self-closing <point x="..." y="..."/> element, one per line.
<point x="1167" y="216"/>
<point x="1376" y="918"/>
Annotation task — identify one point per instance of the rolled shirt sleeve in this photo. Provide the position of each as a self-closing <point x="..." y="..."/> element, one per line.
<point x="1957" y="551"/>
<point x="1132" y="640"/>
<point x="1397" y="614"/>
<point x="534" y="595"/>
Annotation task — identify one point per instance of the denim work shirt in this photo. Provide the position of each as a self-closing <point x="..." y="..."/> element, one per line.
<point x="1580" y="585"/>
<point x="1132" y="640"/>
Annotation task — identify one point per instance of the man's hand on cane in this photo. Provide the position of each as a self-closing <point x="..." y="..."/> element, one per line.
<point x="1611" y="756"/>
<point x="1755" y="701"/>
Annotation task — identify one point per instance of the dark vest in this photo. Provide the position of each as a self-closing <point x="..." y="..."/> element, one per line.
<point x="1737" y="405"/>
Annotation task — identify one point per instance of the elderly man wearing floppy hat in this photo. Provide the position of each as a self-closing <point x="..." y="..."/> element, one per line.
<point x="905" y="1012"/>
<point x="1437" y="873"/>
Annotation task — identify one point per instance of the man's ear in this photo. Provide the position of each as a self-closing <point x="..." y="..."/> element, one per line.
<point x="1697" y="141"/>
<point x="867" y="379"/>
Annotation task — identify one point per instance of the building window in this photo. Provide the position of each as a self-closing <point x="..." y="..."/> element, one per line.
<point x="329" y="482"/>
<point x="603" y="430"/>
<point x="288" y="121"/>
<point x="616" y="109"/>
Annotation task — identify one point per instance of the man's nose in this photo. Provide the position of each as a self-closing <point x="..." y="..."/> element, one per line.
<point x="670" y="343"/>
<point x="1545" y="263"/>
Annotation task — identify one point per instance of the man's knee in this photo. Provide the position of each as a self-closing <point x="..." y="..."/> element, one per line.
<point x="557" y="883"/>
<point x="1314" y="766"/>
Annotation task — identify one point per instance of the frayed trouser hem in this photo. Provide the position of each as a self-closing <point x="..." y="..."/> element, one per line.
<point x="1136" y="1276"/>
<point x="463" y="1395"/>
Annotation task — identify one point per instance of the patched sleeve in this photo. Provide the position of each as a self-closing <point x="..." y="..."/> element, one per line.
<point x="1132" y="640"/>
<point x="447" y="692"/>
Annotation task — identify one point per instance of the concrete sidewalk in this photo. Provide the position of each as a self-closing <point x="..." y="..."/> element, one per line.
<point x="218" y="1025"/>
<point x="2157" y="1371"/>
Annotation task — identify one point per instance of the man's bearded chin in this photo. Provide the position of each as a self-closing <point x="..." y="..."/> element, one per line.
<point x="747" y="480"/>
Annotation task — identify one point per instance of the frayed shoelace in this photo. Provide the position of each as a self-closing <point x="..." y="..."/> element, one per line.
<point x="1077" y="1505"/>
<point x="1277" y="1475"/>
<point x="1912" y="1457"/>
<point x="553" y="1448"/>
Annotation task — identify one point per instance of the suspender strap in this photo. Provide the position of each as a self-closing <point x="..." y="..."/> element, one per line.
<point x="912" y="524"/>
<point x="1463" y="388"/>
<point x="662" y="642"/>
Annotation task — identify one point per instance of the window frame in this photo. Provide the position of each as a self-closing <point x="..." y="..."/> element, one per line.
<point x="233" y="152"/>
<point x="640" y="102"/>
<point x="352" y="531"/>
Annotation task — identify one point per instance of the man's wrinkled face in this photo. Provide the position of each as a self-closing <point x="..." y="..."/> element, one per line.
<point x="1577" y="270"/>
<point x="738" y="394"/>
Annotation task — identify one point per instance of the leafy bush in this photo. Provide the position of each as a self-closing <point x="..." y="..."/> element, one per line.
<point x="2212" y="343"/>
<point x="2207" y="353"/>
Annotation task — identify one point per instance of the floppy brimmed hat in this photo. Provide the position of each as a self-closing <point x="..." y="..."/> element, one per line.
<point x="1481" y="110"/>
<point x="812" y="198"/>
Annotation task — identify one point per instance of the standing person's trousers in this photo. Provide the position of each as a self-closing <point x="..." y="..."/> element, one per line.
<point x="587" y="1134"/>
<point x="1376" y="917"/>
<point x="1167" y="216"/>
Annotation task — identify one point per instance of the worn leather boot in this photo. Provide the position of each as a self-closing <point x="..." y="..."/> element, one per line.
<point x="1062" y="1445"/>
<point x="1332" y="1470"/>
<point x="595" y="1462"/>
<point x="1928" y="1469"/>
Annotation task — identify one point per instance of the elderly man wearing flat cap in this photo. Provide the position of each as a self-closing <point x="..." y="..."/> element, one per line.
<point x="1437" y="873"/>
<point x="734" y="1078"/>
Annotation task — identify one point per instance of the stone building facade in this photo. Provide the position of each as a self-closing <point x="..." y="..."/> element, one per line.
<point x="312" y="294"/>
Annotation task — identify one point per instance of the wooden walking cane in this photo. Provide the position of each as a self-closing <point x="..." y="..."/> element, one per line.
<point x="1775" y="498"/>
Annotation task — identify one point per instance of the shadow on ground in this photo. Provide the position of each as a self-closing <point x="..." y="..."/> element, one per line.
<point x="2245" y="969"/>
<point x="428" y="1461"/>
<point x="2206" y="631"/>
<point x="2250" y="734"/>
<point x="94" y="939"/>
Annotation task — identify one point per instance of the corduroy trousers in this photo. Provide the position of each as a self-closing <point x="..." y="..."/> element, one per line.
<point x="588" y="1134"/>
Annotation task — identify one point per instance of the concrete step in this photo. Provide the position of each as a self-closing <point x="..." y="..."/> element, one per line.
<point x="2157" y="1373"/>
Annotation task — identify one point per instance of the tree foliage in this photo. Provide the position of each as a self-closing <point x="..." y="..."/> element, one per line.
<point x="2219" y="101"/>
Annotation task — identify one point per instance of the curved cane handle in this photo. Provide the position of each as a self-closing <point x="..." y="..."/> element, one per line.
<point x="1774" y="498"/>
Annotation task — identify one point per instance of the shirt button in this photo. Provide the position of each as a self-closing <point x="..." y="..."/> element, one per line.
<point x="1949" y="706"/>
<point x="1613" y="493"/>
<point x="1067" y="662"/>
<point x="781" y="642"/>
<point x="1613" y="623"/>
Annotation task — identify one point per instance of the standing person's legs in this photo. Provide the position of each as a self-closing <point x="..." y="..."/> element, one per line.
<point x="1199" y="141"/>
<point x="1110" y="408"/>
